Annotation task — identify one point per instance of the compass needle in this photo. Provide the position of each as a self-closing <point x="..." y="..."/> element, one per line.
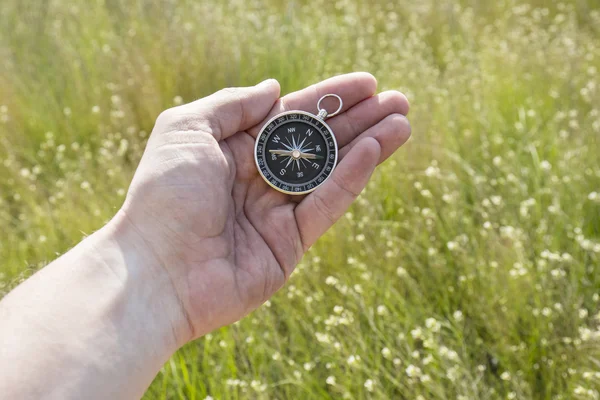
<point x="281" y="152"/>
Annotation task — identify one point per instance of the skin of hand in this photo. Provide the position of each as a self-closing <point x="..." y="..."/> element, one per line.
<point x="227" y="240"/>
<point x="200" y="241"/>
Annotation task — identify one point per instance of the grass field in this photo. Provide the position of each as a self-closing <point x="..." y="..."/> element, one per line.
<point x="468" y="269"/>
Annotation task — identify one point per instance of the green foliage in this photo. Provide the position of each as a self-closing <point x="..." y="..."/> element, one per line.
<point x="468" y="269"/>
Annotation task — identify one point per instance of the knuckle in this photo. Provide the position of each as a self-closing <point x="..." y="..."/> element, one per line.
<point x="323" y="208"/>
<point x="351" y="125"/>
<point x="230" y="90"/>
<point x="345" y="186"/>
<point x="231" y="93"/>
<point x="167" y="117"/>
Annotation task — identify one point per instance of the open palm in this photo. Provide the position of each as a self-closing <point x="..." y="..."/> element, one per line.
<point x="226" y="240"/>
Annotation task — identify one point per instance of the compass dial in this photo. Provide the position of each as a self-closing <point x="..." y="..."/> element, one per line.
<point x="295" y="152"/>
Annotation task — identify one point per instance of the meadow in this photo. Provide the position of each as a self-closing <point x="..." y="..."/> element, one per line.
<point x="468" y="269"/>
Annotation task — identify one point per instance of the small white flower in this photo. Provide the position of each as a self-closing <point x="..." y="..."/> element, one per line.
<point x="330" y="280"/>
<point x="330" y="380"/>
<point x="546" y="312"/>
<point x="413" y="371"/>
<point x="382" y="310"/>
<point x="432" y="324"/>
<point x="353" y="360"/>
<point x="458" y="315"/>
<point x="369" y="385"/>
<point x="452" y="374"/>
<point x="432" y="171"/>
<point x="323" y="337"/>
<point x="416" y="333"/>
<point x="386" y="353"/>
<point x="545" y="165"/>
<point x="505" y="376"/>
<point x="496" y="200"/>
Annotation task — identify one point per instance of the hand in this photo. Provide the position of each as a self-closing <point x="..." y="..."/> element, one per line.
<point x="226" y="240"/>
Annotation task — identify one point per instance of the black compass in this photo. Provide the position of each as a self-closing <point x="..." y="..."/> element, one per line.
<point x="296" y="151"/>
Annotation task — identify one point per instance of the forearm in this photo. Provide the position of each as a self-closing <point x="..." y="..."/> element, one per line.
<point x="93" y="324"/>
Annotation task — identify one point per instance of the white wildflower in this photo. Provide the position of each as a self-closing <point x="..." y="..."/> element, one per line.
<point x="386" y="353"/>
<point x="413" y="371"/>
<point x="458" y="315"/>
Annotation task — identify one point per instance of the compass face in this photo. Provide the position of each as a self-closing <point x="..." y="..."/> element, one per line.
<point x="295" y="152"/>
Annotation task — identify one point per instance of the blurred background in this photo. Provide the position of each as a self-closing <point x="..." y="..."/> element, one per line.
<point x="469" y="267"/>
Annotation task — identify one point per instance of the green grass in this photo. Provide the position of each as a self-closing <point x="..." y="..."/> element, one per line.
<point x="468" y="269"/>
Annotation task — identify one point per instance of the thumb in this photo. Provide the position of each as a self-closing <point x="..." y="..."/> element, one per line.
<point x="232" y="110"/>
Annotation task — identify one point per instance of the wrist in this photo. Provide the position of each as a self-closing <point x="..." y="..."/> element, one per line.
<point x="146" y="283"/>
<point x="103" y="312"/>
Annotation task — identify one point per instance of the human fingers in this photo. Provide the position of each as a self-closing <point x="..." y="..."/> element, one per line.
<point x="352" y="89"/>
<point x="318" y="211"/>
<point x="225" y="112"/>
<point x="391" y="133"/>
<point x="348" y="125"/>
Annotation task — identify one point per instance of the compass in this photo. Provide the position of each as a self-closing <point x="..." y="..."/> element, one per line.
<point x="296" y="151"/>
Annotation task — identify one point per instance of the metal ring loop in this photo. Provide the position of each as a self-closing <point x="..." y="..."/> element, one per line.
<point x="336" y="111"/>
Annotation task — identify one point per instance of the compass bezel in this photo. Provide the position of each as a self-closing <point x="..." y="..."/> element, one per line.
<point x="304" y="118"/>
